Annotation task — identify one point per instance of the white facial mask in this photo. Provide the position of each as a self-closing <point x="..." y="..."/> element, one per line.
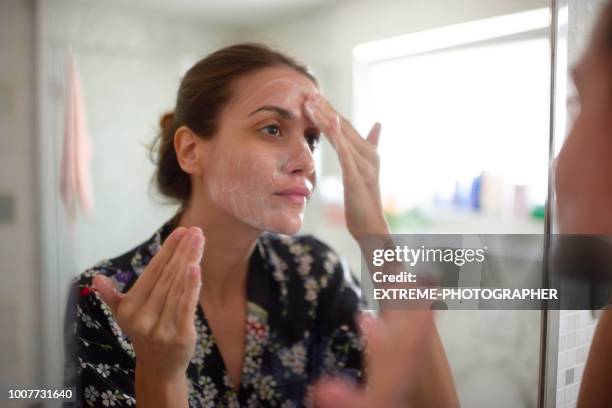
<point x="243" y="178"/>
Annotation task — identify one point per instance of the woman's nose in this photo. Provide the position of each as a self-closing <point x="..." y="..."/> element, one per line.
<point x="301" y="160"/>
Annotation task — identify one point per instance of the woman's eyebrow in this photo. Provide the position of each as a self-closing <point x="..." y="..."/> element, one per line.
<point x="284" y="113"/>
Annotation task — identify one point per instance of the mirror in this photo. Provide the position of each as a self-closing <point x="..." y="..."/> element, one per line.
<point x="462" y="90"/>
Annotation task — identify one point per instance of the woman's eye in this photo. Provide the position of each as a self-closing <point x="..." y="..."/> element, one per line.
<point x="313" y="140"/>
<point x="273" y="130"/>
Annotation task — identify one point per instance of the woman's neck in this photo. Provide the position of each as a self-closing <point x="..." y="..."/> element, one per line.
<point x="227" y="251"/>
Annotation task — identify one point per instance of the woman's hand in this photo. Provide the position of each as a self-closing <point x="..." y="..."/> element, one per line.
<point x="360" y="167"/>
<point x="396" y="358"/>
<point x="158" y="312"/>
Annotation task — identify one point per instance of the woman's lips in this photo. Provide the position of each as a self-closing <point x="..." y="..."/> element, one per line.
<point x="294" y="198"/>
<point x="298" y="195"/>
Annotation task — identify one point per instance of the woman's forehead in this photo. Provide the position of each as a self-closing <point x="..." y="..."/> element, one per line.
<point x="273" y="75"/>
<point x="283" y="87"/>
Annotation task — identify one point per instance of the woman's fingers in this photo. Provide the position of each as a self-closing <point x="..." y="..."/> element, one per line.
<point x="330" y="125"/>
<point x="369" y="327"/>
<point x="108" y="292"/>
<point x="348" y="130"/>
<point x="323" y="122"/>
<point x="146" y="282"/>
<point x="334" y="392"/>
<point x="374" y="135"/>
<point x="190" y="296"/>
<point x="345" y="132"/>
<point x="173" y="314"/>
<point x="189" y="250"/>
<point x="392" y="367"/>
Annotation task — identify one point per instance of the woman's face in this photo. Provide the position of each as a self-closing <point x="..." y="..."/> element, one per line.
<point x="584" y="166"/>
<point x="259" y="166"/>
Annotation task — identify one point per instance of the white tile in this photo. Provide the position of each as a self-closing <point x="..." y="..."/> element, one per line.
<point x="572" y="322"/>
<point x="563" y="324"/>
<point x="562" y="342"/>
<point x="560" y="396"/>
<point x="581" y="319"/>
<point x="570" y="340"/>
<point x="572" y="395"/>
<point x="567" y="397"/>
<point x="581" y="337"/>
<point x="579" y="371"/>
<point x="561" y="360"/>
<point x="560" y="379"/>
<point x="571" y="358"/>
<point x="581" y="354"/>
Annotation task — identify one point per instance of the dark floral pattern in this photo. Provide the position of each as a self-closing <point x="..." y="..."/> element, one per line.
<point x="301" y="304"/>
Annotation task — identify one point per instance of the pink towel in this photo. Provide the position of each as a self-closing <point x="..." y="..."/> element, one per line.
<point x="75" y="179"/>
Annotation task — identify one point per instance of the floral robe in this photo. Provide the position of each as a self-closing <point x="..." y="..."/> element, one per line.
<point x="301" y="304"/>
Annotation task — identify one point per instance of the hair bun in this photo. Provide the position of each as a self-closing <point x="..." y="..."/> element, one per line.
<point x="166" y="121"/>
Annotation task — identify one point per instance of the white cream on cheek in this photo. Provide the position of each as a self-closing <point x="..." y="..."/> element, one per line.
<point x="244" y="186"/>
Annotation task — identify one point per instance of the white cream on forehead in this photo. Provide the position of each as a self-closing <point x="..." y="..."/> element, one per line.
<point x="296" y="90"/>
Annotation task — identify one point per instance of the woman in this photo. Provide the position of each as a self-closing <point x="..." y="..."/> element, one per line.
<point x="237" y="154"/>
<point x="584" y="190"/>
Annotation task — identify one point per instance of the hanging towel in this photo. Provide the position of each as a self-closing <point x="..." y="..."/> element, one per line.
<point x="75" y="179"/>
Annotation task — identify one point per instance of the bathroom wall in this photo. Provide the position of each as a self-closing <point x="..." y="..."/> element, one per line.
<point x="576" y="327"/>
<point x="575" y="335"/>
<point x="19" y="260"/>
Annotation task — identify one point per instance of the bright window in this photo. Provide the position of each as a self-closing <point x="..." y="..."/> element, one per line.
<point x="465" y="126"/>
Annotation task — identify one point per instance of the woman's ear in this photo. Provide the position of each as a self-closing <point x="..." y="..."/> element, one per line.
<point x="188" y="152"/>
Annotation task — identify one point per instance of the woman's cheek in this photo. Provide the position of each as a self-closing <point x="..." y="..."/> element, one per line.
<point x="246" y="191"/>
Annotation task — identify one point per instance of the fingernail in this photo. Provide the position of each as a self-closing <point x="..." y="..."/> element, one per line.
<point x="196" y="239"/>
<point x="179" y="232"/>
<point x="309" y="108"/>
<point x="337" y="121"/>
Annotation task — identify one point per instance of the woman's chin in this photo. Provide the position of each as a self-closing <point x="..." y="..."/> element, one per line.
<point x="286" y="226"/>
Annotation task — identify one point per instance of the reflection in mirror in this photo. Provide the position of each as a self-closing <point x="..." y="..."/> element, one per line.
<point x="461" y="90"/>
<point x="463" y="98"/>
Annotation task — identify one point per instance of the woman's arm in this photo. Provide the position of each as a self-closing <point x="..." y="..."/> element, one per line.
<point x="430" y="380"/>
<point x="157" y="314"/>
<point x="597" y="378"/>
<point x="406" y="358"/>
<point x="435" y="386"/>
<point x="154" y="392"/>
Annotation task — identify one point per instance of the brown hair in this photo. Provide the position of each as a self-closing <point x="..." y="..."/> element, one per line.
<point x="203" y="93"/>
<point x="601" y="37"/>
